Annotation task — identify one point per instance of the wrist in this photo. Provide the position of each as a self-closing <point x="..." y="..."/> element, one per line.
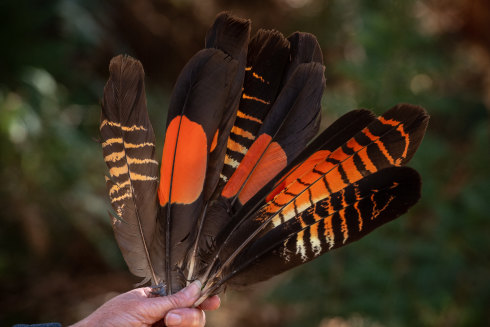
<point x="86" y="322"/>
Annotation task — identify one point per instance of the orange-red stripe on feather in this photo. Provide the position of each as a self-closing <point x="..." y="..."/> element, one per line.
<point x="241" y="114"/>
<point x="391" y="122"/>
<point x="380" y="145"/>
<point x="300" y="203"/>
<point x="276" y="191"/>
<point x="298" y="171"/>
<point x="323" y="177"/>
<point x="339" y="155"/>
<point x="366" y="161"/>
<point x="249" y="97"/>
<point x="356" y="207"/>
<point x="343" y="225"/>
<point x="334" y="179"/>
<point x="405" y="135"/>
<point x="351" y="170"/>
<point x="243" y="133"/>
<point x="260" y="78"/>
<point x="215" y="141"/>
<point x="273" y="161"/>
<point x="354" y="145"/>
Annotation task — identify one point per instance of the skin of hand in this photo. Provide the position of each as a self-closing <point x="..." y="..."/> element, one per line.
<point x="138" y="308"/>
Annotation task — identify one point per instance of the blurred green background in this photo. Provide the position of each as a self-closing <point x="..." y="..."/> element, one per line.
<point x="58" y="257"/>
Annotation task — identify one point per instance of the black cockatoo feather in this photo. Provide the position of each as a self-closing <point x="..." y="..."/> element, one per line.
<point x="128" y="145"/>
<point x="245" y="192"/>
<point x="202" y="109"/>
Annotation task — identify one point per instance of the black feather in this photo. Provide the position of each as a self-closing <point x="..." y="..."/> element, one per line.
<point x="128" y="145"/>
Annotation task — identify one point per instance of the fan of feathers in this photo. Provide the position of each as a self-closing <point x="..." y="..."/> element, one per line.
<point x="245" y="190"/>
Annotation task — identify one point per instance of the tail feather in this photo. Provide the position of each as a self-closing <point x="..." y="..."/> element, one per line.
<point x="128" y="145"/>
<point x="268" y="56"/>
<point x="304" y="49"/>
<point x="211" y="80"/>
<point x="230" y="35"/>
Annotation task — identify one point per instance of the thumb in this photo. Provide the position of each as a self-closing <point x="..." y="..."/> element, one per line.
<point x="185" y="298"/>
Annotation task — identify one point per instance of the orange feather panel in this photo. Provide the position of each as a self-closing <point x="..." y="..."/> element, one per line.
<point x="182" y="170"/>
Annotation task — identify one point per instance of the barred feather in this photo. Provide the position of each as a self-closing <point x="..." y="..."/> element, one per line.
<point x="128" y="145"/>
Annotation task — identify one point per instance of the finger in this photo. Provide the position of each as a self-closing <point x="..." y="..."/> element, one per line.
<point x="184" y="298"/>
<point x="211" y="303"/>
<point x="185" y="317"/>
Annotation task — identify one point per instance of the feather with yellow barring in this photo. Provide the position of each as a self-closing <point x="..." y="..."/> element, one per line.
<point x="128" y="147"/>
<point x="234" y="35"/>
<point x="295" y="112"/>
<point x="267" y="59"/>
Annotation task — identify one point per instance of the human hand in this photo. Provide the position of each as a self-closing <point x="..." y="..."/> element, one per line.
<point x="138" y="308"/>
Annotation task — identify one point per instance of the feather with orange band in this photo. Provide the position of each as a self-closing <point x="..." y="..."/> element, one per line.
<point x="202" y="105"/>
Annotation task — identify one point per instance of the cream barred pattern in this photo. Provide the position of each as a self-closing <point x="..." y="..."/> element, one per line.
<point x="122" y="157"/>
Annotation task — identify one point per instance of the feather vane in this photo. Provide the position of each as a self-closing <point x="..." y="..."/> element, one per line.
<point x="128" y="145"/>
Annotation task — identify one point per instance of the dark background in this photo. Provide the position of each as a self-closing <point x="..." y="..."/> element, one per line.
<point x="58" y="257"/>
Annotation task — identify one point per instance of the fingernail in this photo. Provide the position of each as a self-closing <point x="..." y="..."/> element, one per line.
<point x="172" y="319"/>
<point x="193" y="289"/>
